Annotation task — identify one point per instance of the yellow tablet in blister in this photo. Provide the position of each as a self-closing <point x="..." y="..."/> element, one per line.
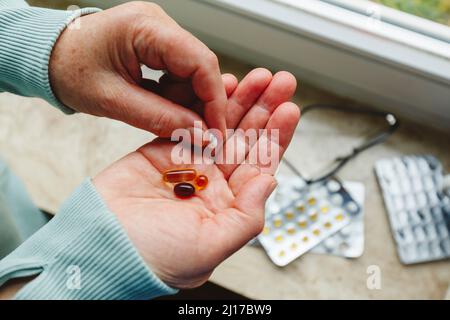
<point x="289" y="215"/>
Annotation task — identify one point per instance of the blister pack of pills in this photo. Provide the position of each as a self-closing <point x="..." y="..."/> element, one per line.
<point x="349" y="241"/>
<point x="299" y="217"/>
<point x="417" y="207"/>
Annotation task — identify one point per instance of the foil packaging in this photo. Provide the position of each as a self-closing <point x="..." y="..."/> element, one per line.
<point x="418" y="207"/>
<point x="300" y="216"/>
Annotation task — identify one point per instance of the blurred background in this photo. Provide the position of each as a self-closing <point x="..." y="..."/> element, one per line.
<point x="391" y="55"/>
<point x="435" y="10"/>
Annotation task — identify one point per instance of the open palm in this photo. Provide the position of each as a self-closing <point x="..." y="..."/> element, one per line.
<point x="184" y="240"/>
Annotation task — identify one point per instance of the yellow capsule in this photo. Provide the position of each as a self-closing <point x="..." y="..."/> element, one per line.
<point x="291" y="230"/>
<point x="279" y="238"/>
<point x="289" y="215"/>
<point x="324" y="209"/>
<point x="313" y="216"/>
<point x="305" y="239"/>
<point x="316" y="232"/>
<point x="312" y="201"/>
<point x="327" y="225"/>
<point x="179" y="175"/>
<point x="277" y="223"/>
<point x="302" y="223"/>
<point x="293" y="246"/>
<point x="266" y="231"/>
<point x="339" y="217"/>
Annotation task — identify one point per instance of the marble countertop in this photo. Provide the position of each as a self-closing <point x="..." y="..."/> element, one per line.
<point x="52" y="153"/>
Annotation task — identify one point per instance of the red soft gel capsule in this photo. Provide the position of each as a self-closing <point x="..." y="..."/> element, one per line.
<point x="184" y="190"/>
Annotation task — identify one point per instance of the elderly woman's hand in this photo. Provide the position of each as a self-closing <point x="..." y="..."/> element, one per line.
<point x="184" y="240"/>
<point x="95" y="68"/>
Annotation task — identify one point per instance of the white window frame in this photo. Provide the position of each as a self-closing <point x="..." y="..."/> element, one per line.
<point x="394" y="17"/>
<point x="399" y="62"/>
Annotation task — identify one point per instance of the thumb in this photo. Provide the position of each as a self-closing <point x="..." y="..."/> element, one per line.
<point x="151" y="112"/>
<point x="252" y="198"/>
<point x="234" y="228"/>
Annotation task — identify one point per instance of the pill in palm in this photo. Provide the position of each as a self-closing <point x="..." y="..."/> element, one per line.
<point x="184" y="190"/>
<point x="186" y="181"/>
<point x="201" y="182"/>
<point x="179" y="175"/>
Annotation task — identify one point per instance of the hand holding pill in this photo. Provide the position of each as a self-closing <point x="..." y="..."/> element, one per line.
<point x="184" y="234"/>
<point x="183" y="179"/>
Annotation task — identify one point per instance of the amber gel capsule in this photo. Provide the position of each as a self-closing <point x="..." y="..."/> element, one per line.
<point x="201" y="182"/>
<point x="179" y="175"/>
<point x="184" y="190"/>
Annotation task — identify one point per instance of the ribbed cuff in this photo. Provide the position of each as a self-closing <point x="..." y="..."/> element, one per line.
<point x="27" y="38"/>
<point x="82" y="253"/>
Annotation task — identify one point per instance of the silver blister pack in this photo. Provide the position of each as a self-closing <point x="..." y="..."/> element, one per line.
<point x="417" y="207"/>
<point x="299" y="217"/>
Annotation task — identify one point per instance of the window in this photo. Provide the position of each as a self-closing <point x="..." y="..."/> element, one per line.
<point x="361" y="49"/>
<point x="435" y="10"/>
<point x="380" y="13"/>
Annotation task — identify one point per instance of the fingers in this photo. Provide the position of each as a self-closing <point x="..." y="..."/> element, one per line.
<point x="284" y="120"/>
<point x="148" y="111"/>
<point x="246" y="94"/>
<point x="209" y="88"/>
<point x="181" y="92"/>
<point x="186" y="57"/>
<point x="252" y="198"/>
<point x="230" y="82"/>
<point x="243" y="173"/>
<point x="255" y="113"/>
<point x="252" y="188"/>
<point x="280" y="129"/>
<point x="233" y="228"/>
<point x="281" y="89"/>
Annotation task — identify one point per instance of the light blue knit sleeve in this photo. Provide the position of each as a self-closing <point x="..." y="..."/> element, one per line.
<point x="82" y="253"/>
<point x="27" y="37"/>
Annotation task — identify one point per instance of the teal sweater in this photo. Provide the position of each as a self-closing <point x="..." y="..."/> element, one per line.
<point x="82" y="253"/>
